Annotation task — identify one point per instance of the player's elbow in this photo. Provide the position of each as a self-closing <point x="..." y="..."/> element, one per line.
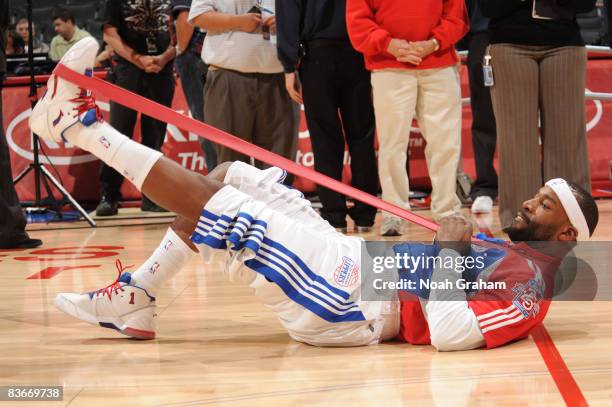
<point x="453" y="336"/>
<point x="443" y="343"/>
<point x="453" y="326"/>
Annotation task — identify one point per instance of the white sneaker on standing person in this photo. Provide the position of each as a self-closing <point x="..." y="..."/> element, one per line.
<point x="482" y="204"/>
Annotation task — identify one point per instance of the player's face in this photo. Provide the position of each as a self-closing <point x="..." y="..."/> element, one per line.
<point x="540" y="218"/>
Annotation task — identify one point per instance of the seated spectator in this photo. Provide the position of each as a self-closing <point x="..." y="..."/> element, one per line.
<point x="539" y="62"/>
<point x="67" y="33"/>
<point x="22" y="29"/>
<point x="14" y="44"/>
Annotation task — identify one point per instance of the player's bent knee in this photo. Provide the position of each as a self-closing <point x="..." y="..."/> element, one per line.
<point x="183" y="227"/>
<point x="218" y="173"/>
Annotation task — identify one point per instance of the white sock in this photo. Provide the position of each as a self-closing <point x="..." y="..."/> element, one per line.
<point x="129" y="158"/>
<point x="165" y="262"/>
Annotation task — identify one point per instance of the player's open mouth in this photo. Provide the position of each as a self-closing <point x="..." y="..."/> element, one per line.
<point x="521" y="217"/>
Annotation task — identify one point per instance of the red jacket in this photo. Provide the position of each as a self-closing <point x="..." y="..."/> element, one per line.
<point x="373" y="23"/>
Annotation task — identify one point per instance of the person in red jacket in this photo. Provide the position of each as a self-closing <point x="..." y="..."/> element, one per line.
<point x="409" y="47"/>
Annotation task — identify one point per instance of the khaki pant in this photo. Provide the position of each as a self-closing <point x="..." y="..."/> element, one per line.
<point x="435" y="96"/>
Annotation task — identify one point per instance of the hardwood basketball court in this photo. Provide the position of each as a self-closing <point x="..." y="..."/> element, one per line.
<point x="217" y="345"/>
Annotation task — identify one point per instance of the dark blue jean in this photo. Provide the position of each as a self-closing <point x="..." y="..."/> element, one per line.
<point x="192" y="72"/>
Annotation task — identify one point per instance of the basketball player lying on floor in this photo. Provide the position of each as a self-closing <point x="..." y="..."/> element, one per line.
<point x="280" y="247"/>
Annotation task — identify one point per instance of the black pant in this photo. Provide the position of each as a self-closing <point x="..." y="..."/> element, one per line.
<point x="12" y="221"/>
<point x="337" y="93"/>
<point x="158" y="87"/>
<point x="484" y="132"/>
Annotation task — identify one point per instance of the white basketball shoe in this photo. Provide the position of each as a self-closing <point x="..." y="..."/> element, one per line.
<point x="122" y="306"/>
<point x="65" y="104"/>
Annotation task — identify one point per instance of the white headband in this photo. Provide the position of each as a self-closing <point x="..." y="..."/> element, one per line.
<point x="570" y="204"/>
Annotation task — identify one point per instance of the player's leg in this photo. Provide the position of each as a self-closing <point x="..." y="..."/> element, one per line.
<point x="162" y="180"/>
<point x="262" y="185"/>
<point x="267" y="186"/>
<point x="171" y="255"/>
<point x="128" y="304"/>
<point x="238" y="221"/>
<point x="68" y="113"/>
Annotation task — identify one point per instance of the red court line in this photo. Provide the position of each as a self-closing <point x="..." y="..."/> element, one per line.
<point x="559" y="371"/>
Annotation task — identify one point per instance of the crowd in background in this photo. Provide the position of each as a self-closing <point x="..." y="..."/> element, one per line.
<point x="358" y="66"/>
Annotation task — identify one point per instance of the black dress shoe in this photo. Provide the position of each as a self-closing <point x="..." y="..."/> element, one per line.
<point x="150" y="206"/>
<point x="22" y="244"/>
<point x="107" y="207"/>
<point x="364" y="226"/>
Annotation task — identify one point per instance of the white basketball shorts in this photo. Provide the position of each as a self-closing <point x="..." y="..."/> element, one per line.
<point x="306" y="272"/>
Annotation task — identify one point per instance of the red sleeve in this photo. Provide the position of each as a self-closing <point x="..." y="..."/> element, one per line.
<point x="366" y="35"/>
<point x="453" y="25"/>
<point x="509" y="314"/>
<point x="503" y="322"/>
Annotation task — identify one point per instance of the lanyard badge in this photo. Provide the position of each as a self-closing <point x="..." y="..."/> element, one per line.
<point x="487" y="70"/>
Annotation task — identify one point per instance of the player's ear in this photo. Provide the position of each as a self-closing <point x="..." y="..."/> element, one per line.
<point x="568" y="233"/>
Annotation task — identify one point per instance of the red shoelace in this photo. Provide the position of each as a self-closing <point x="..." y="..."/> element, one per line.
<point x="86" y="102"/>
<point x="116" y="285"/>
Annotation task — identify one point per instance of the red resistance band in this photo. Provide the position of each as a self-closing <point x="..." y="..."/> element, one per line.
<point x="163" y="113"/>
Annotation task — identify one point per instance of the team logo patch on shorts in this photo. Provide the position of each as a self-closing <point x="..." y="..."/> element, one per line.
<point x="347" y="273"/>
<point x="527" y="297"/>
<point x="105" y="142"/>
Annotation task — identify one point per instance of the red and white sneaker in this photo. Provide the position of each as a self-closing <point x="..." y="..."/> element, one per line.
<point x="122" y="306"/>
<point x="64" y="103"/>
